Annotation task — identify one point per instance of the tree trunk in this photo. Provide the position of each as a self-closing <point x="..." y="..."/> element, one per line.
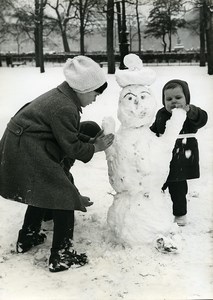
<point x="65" y="41"/>
<point x="124" y="49"/>
<point x="81" y="27"/>
<point x="170" y="41"/>
<point x="118" y="8"/>
<point x="164" y="44"/>
<point x="139" y="30"/>
<point x="82" y="51"/>
<point x="36" y="33"/>
<point x="41" y="55"/>
<point x="209" y="40"/>
<point x="36" y="46"/>
<point x="110" y="37"/>
<point x="18" y="47"/>
<point x="202" y="37"/>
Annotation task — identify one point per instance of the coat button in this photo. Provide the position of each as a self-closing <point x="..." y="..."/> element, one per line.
<point x="18" y="130"/>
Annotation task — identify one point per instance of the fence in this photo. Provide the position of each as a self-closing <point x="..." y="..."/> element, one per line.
<point x="188" y="58"/>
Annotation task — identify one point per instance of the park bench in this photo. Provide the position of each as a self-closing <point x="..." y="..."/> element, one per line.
<point x="103" y="63"/>
<point x="18" y="63"/>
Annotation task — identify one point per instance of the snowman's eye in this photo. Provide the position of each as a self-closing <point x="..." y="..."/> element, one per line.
<point x="144" y="94"/>
<point x="130" y="96"/>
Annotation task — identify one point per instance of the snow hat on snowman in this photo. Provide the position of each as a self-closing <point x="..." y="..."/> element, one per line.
<point x="84" y="75"/>
<point x="173" y="84"/>
<point x="136" y="74"/>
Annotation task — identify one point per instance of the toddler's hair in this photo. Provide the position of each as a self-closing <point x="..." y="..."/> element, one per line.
<point x="101" y="88"/>
<point x="171" y="85"/>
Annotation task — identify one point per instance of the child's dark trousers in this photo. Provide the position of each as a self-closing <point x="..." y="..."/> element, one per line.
<point x="178" y="191"/>
<point x="63" y="225"/>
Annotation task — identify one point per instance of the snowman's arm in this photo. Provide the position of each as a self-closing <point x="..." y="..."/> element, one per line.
<point x="108" y="125"/>
<point x="162" y="154"/>
<point x="174" y="125"/>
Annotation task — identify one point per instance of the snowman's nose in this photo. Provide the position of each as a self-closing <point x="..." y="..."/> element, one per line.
<point x="136" y="101"/>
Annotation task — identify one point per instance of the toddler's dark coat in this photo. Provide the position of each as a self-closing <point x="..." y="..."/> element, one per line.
<point x="38" y="148"/>
<point x="185" y="160"/>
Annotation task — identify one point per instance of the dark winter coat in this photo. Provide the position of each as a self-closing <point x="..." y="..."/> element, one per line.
<point x="38" y="148"/>
<point x="185" y="160"/>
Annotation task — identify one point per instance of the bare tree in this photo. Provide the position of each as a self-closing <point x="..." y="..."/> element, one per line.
<point x="28" y="19"/>
<point x="18" y="35"/>
<point x="65" y="11"/>
<point x="197" y="26"/>
<point x="138" y="26"/>
<point x="205" y="8"/>
<point x="118" y="10"/>
<point x="75" y="14"/>
<point x="5" y="14"/>
<point x="138" y="17"/>
<point x="88" y="12"/>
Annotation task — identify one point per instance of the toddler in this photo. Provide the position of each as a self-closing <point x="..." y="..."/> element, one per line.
<point x="185" y="160"/>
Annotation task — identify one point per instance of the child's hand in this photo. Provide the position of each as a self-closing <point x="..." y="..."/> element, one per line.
<point x="92" y="140"/>
<point x="183" y="106"/>
<point x="102" y="142"/>
<point x="85" y="202"/>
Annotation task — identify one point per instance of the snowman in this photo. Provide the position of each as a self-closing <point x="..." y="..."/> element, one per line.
<point x="138" y="163"/>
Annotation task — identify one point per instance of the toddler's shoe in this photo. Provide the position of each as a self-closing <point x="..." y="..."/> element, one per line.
<point x="28" y="240"/>
<point x="62" y="260"/>
<point x="181" y="220"/>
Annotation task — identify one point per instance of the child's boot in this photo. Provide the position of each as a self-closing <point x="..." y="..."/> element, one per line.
<point x="180" y="220"/>
<point x="61" y="260"/>
<point x="28" y="239"/>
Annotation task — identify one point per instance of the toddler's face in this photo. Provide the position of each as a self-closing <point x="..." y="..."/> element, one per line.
<point x="174" y="98"/>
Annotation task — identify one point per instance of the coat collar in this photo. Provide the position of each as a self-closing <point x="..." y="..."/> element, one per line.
<point x="68" y="91"/>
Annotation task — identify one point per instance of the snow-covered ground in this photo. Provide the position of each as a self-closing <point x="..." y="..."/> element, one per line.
<point x="113" y="272"/>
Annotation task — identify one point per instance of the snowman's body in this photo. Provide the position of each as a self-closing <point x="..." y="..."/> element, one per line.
<point x="138" y="166"/>
<point x="130" y="168"/>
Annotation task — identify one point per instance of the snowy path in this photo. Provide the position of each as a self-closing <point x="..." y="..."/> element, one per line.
<point x="113" y="272"/>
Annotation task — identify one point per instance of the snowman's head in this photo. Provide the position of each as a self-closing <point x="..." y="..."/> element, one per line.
<point x="136" y="106"/>
<point x="136" y="103"/>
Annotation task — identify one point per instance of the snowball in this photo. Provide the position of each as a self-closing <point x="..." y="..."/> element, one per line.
<point x="136" y="74"/>
<point x="108" y="125"/>
<point x="133" y="62"/>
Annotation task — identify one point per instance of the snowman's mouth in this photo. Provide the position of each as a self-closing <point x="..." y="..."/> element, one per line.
<point x="142" y="114"/>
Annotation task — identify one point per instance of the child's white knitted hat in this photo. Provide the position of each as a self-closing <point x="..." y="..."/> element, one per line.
<point x="83" y="74"/>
